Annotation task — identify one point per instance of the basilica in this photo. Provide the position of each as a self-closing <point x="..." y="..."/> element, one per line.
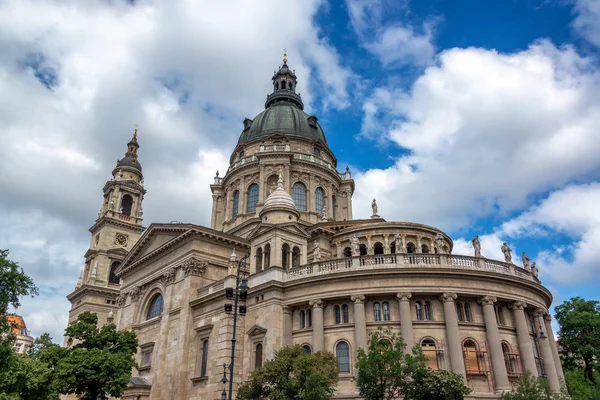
<point x="282" y="222"/>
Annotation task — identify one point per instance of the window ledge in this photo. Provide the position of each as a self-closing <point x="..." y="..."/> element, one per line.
<point x="144" y="368"/>
<point x="148" y="322"/>
<point x="199" y="379"/>
<point x="477" y="373"/>
<point x="346" y="376"/>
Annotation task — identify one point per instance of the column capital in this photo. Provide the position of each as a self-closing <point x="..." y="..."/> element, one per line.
<point x="548" y="318"/>
<point x="487" y="300"/>
<point x="287" y="309"/>
<point x="448" y="297"/>
<point x="518" y="305"/>
<point x="404" y="296"/>
<point x="539" y="311"/>
<point x="358" y="298"/>
<point x="317" y="303"/>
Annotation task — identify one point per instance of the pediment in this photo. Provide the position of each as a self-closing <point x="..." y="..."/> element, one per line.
<point x="292" y="228"/>
<point x="157" y="240"/>
<point x="257" y="330"/>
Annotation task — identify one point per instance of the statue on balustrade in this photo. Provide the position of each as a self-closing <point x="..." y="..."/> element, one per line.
<point x="534" y="270"/>
<point x="507" y="253"/>
<point x="317" y="251"/>
<point x="355" y="246"/>
<point x="439" y="244"/>
<point x="525" y="261"/>
<point x="477" y="246"/>
<point x="398" y="243"/>
<point x="374" y="207"/>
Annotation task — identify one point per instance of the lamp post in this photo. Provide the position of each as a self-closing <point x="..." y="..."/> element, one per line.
<point x="239" y="294"/>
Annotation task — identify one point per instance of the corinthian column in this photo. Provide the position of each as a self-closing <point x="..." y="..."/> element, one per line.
<point x="406" y="327"/>
<point x="452" y="333"/>
<point x="547" y="356"/>
<point x="317" y="324"/>
<point x="493" y="344"/>
<point x="523" y="337"/>
<point x="360" y="323"/>
<point x="559" y="371"/>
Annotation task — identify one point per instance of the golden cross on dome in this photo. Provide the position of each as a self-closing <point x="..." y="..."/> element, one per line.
<point x="284" y="56"/>
<point x="135" y="131"/>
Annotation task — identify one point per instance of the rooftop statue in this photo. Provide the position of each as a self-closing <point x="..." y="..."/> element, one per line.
<point x="525" y="261"/>
<point x="507" y="253"/>
<point x="477" y="246"/>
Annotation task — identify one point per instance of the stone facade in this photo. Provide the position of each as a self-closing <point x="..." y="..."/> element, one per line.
<point x="317" y="277"/>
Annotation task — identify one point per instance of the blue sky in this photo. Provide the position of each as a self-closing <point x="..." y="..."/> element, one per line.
<point x="477" y="117"/>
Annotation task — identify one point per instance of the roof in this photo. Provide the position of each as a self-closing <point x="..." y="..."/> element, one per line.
<point x="18" y="323"/>
<point x="129" y="161"/>
<point x="285" y="118"/>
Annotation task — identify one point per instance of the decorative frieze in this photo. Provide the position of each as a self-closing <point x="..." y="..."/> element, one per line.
<point x="169" y="276"/>
<point x="193" y="267"/>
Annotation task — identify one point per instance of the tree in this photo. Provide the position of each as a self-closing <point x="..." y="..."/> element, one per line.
<point x="293" y="375"/>
<point x="579" y="334"/>
<point x="387" y="372"/>
<point x="530" y="387"/>
<point x="579" y="387"/>
<point x="100" y="363"/>
<point x="14" y="284"/>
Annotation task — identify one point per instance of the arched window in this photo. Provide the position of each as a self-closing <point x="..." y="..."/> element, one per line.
<point x="419" y="310"/>
<point x="347" y="252"/>
<point x="428" y="311"/>
<point x="508" y="358"/>
<point x="156" y="307"/>
<point x="342" y="352"/>
<point x="424" y="249"/>
<point x="459" y="311"/>
<point x="259" y="257"/>
<point x="378" y="248"/>
<point x="252" y="199"/>
<point x="204" y="364"/>
<point x="468" y="312"/>
<point x="295" y="257"/>
<point x="283" y="84"/>
<point x="285" y="256"/>
<point x="393" y="247"/>
<point x="126" y="203"/>
<point x="236" y="204"/>
<point x="299" y="192"/>
<point x="258" y="356"/>
<point x="410" y="247"/>
<point x="309" y="317"/>
<point x="307" y="349"/>
<point x="377" y="311"/>
<point x="112" y="277"/>
<point x="500" y="315"/>
<point x="267" y="256"/>
<point x="386" y="311"/>
<point x="338" y="314"/>
<point x="429" y="349"/>
<point x="302" y="320"/>
<point x="290" y="85"/>
<point x="471" y="359"/>
<point x="319" y="200"/>
<point x="333" y="207"/>
<point x="363" y="249"/>
<point x="345" y="318"/>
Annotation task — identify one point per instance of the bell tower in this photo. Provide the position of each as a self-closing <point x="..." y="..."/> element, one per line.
<point x="117" y="228"/>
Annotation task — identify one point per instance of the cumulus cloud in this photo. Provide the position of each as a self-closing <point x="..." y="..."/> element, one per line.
<point x="587" y="15"/>
<point x="393" y="40"/>
<point x="482" y="132"/>
<point x="76" y="77"/>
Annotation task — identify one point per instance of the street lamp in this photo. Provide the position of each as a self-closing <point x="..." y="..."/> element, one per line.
<point x="239" y="294"/>
<point x="224" y="380"/>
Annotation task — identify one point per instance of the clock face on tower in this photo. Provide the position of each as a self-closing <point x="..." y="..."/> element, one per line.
<point x="121" y="240"/>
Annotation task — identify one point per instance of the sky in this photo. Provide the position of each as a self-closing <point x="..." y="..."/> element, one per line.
<point x="476" y="117"/>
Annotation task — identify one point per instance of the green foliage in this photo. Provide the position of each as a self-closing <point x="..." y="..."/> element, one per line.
<point x="100" y="363"/>
<point x="387" y="372"/>
<point x="581" y="388"/>
<point x="293" y="375"/>
<point x="579" y="334"/>
<point x="530" y="387"/>
<point x="14" y="284"/>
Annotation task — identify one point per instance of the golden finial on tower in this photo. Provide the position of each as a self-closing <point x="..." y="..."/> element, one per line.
<point x="135" y="132"/>
<point x="285" y="56"/>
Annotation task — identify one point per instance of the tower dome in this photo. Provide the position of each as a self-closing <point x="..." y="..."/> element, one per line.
<point x="131" y="156"/>
<point x="283" y="113"/>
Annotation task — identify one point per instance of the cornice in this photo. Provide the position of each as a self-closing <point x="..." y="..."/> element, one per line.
<point x="116" y="222"/>
<point x="85" y="288"/>
<point x="125" y="183"/>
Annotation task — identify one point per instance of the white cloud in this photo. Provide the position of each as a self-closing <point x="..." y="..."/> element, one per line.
<point x="383" y="30"/>
<point x="484" y="131"/>
<point x="76" y="77"/>
<point x="586" y="20"/>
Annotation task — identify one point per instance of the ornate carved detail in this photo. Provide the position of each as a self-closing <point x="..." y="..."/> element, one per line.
<point x="137" y="292"/>
<point x="448" y="297"/>
<point x="540" y="312"/>
<point x="193" y="267"/>
<point x="120" y="301"/>
<point x="358" y="298"/>
<point x="404" y="296"/>
<point x="548" y="317"/>
<point x="317" y="303"/>
<point x="169" y="276"/>
<point x="518" y="305"/>
<point x="485" y="300"/>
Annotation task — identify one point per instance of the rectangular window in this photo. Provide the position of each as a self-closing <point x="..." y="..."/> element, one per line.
<point x="146" y="358"/>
